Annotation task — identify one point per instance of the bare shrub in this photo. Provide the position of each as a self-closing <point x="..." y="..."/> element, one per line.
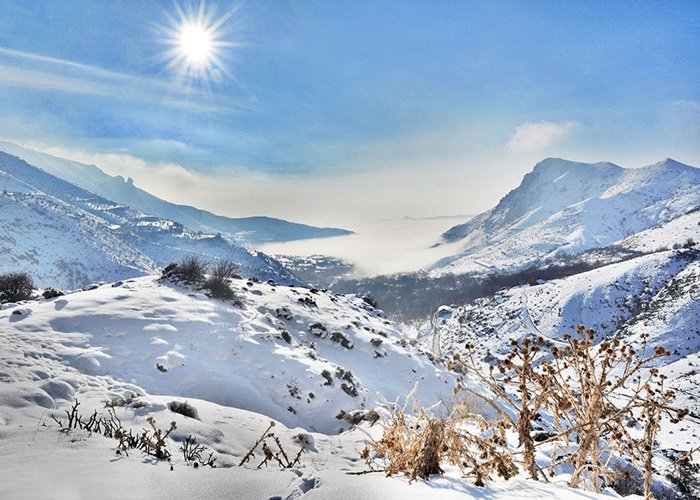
<point x="268" y="442"/>
<point x="193" y="453"/>
<point x="518" y="369"/>
<point x="183" y="408"/>
<point x="224" y="269"/>
<point x="155" y="443"/>
<point x="218" y="282"/>
<point x="15" y="287"/>
<point x="591" y="391"/>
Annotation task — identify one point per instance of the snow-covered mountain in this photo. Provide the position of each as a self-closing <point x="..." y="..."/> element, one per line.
<point x="563" y="208"/>
<point x="65" y="236"/>
<point x="249" y="231"/>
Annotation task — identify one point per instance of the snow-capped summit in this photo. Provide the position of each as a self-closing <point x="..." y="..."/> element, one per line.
<point x="562" y="208"/>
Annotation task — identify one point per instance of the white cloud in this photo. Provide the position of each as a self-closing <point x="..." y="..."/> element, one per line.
<point x="533" y="137"/>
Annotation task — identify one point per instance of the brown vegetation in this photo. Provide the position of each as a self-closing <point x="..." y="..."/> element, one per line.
<point x="591" y="391"/>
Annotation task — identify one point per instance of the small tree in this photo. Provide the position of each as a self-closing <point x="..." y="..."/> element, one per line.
<point x="15" y="287"/>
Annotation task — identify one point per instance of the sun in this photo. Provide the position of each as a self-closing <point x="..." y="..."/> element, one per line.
<point x="195" y="43"/>
<point x="195" y="40"/>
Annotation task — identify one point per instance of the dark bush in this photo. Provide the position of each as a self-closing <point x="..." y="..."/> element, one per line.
<point x="51" y="293"/>
<point x="224" y="270"/>
<point x="15" y="287"/>
<point x="370" y="301"/>
<point x="218" y="282"/>
<point x="190" y="269"/>
<point x="183" y="408"/>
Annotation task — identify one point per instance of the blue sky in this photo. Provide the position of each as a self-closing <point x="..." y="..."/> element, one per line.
<point x="417" y="108"/>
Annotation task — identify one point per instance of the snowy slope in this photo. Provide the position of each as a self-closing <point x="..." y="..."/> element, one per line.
<point x="230" y="355"/>
<point x="563" y="208"/>
<point x="676" y="231"/>
<point x="224" y="360"/>
<point x="68" y="237"/>
<point x="245" y="230"/>
<point x="658" y="294"/>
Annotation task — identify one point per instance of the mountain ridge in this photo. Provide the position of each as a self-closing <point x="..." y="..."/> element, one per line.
<point x="66" y="236"/>
<point x="563" y="208"/>
<point x="243" y="230"/>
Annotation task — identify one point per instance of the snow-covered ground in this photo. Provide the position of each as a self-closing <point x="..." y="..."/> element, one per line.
<point x="159" y="342"/>
<point x="40" y="462"/>
<point x="231" y="355"/>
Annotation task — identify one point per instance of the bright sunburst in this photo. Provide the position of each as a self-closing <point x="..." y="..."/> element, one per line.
<point x="196" y="45"/>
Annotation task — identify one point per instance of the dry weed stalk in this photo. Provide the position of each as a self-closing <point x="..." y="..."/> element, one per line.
<point x="153" y="442"/>
<point x="279" y="456"/>
<point x="517" y="367"/>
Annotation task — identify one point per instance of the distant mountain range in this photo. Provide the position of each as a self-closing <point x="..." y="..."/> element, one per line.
<point x="247" y="231"/>
<point x="564" y="208"/>
<point x="66" y="236"/>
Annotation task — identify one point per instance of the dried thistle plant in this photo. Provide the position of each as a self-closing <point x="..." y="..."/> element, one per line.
<point x="518" y="368"/>
<point x="591" y="390"/>
<point x="594" y="390"/>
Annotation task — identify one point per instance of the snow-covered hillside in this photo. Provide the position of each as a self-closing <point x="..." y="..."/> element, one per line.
<point x="563" y="208"/>
<point x="243" y="231"/>
<point x="298" y="355"/>
<point x="68" y="237"/>
<point x="294" y="355"/>
<point x="658" y="294"/>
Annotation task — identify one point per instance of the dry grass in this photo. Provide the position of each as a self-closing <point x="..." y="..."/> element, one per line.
<point x="418" y="446"/>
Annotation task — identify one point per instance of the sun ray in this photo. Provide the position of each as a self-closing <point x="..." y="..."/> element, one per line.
<point x="195" y="44"/>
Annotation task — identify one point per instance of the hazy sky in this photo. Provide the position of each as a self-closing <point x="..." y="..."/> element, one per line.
<point x="329" y="111"/>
